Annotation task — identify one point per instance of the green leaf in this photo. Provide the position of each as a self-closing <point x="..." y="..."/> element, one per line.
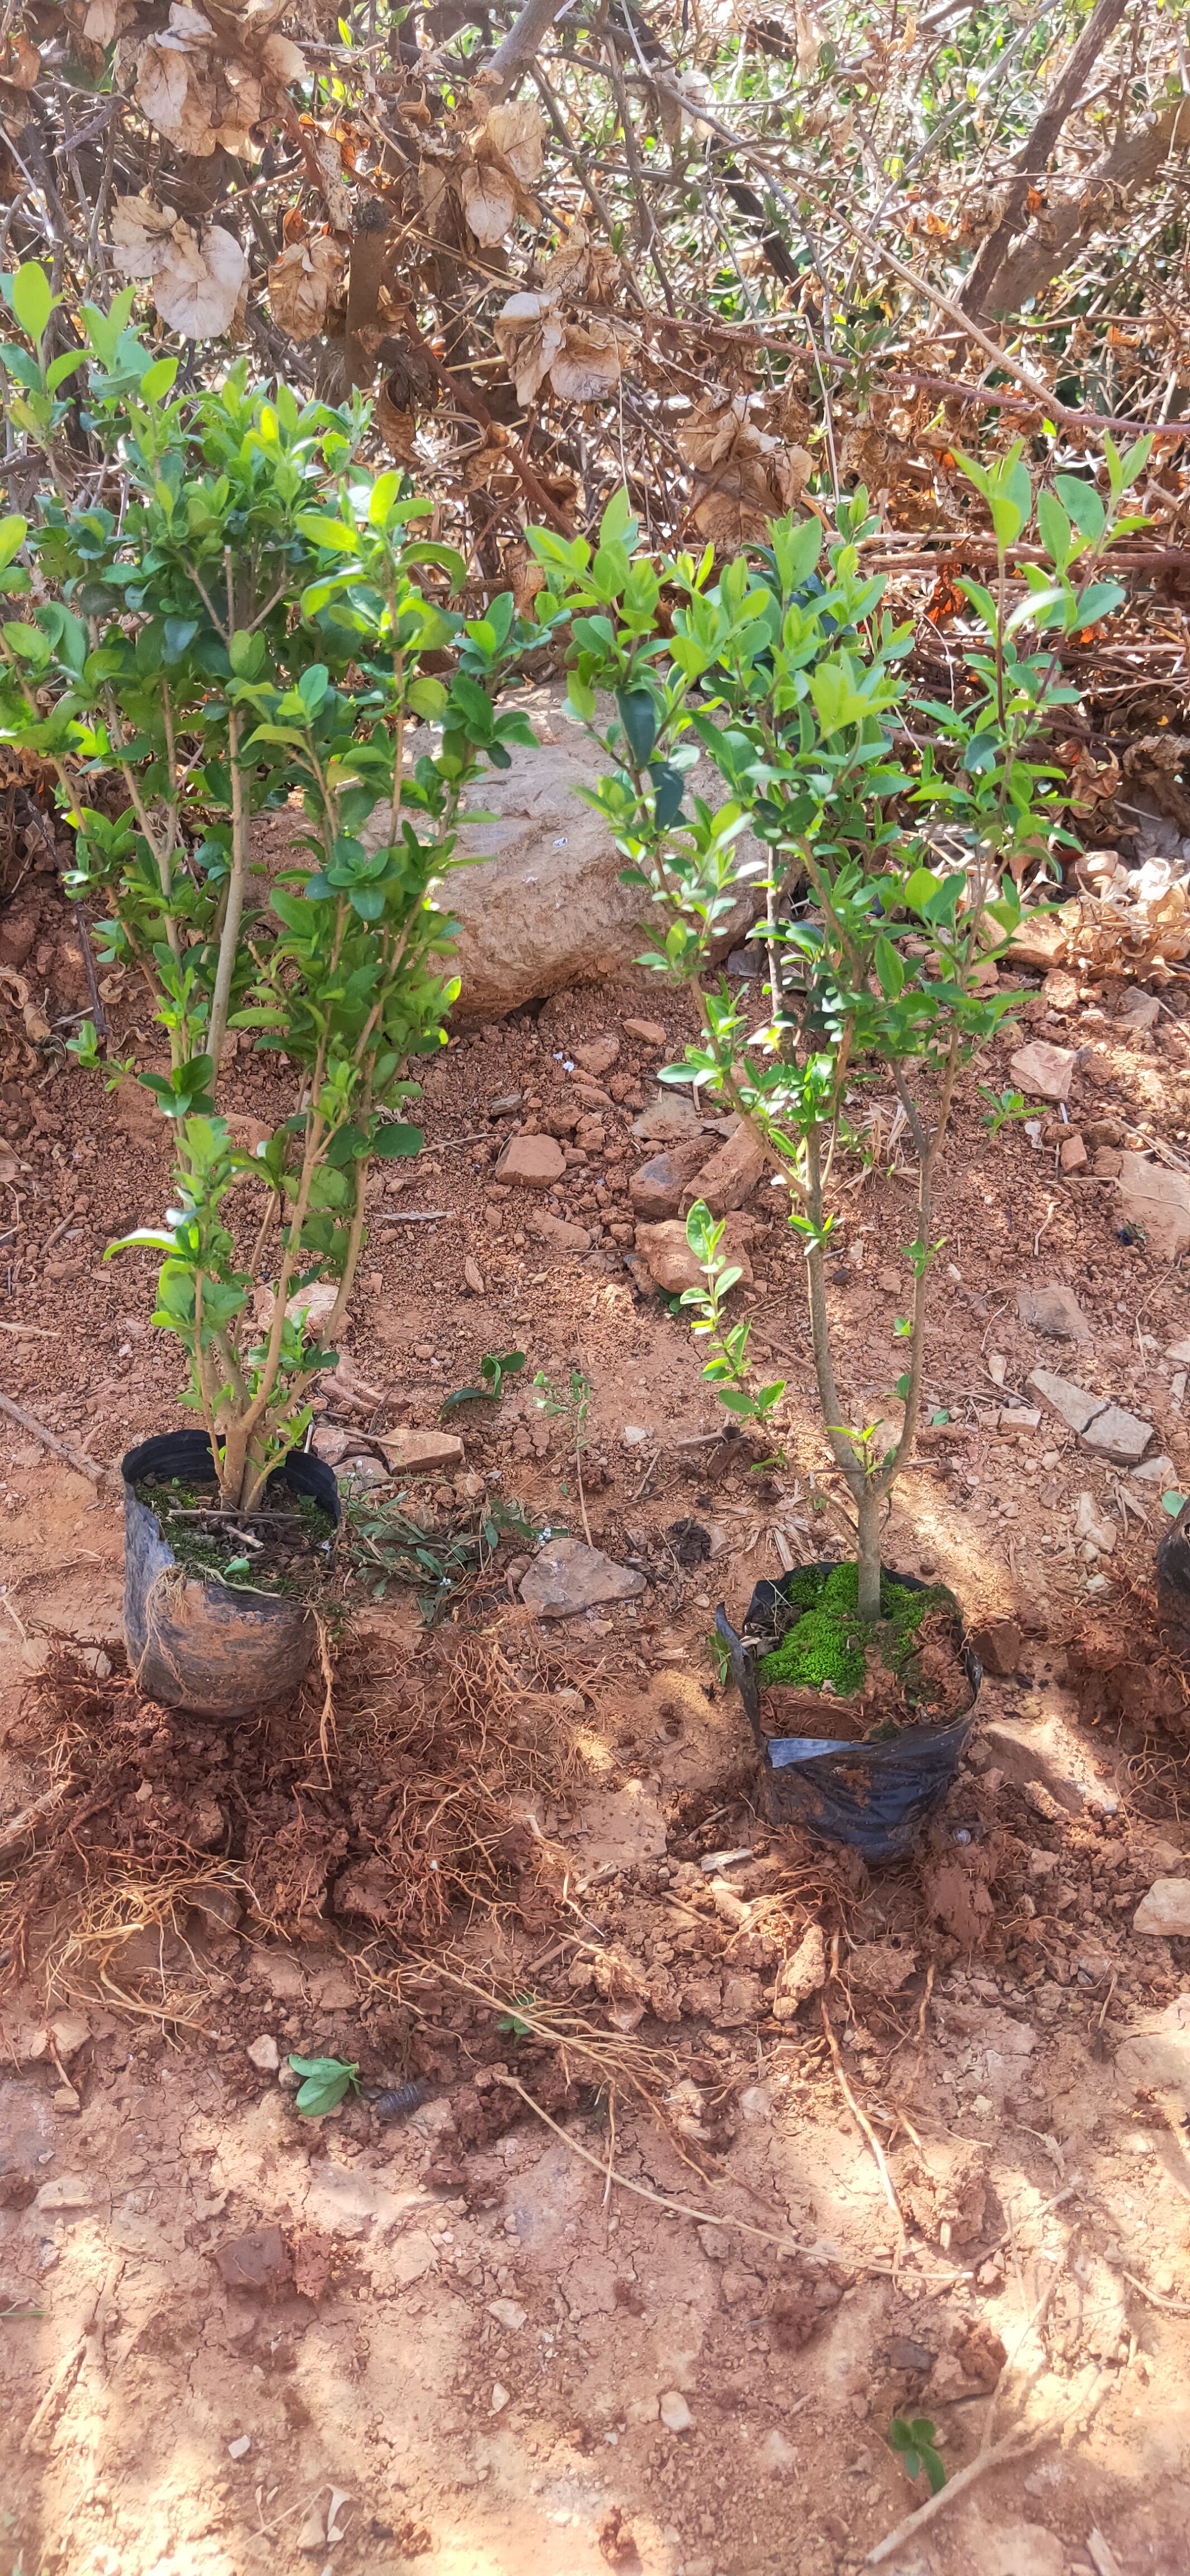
<point x="327" y="2079"/>
<point x="1083" y="502"/>
<point x="1172" y="1502"/>
<point x="324" y="531"/>
<point x="889" y="968"/>
<point x="32" y="301"/>
<point x="920" y="887"/>
<point x="638" y="716"/>
<point x="395" y="1141"/>
<point x="427" y="697"/>
<point x="13" y="532"/>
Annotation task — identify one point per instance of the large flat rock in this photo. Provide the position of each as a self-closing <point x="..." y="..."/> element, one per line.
<point x="548" y="908"/>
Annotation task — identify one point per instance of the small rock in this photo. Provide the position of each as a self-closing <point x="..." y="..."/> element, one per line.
<point x="508" y="2313"/>
<point x="671" y="1263"/>
<point x="997" y="1643"/>
<point x="674" y="2412"/>
<point x="532" y="1162"/>
<point x="65" y="2191"/>
<point x="1060" y="989"/>
<point x="777" y="2455"/>
<point x="671" y="1116"/>
<point x="1019" y="1417"/>
<point x="264" y="2053"/>
<point x="650" y="1032"/>
<point x="801" y="1975"/>
<point x="1119" y="1435"/>
<point x="1072" y="1155"/>
<point x="557" y="1232"/>
<point x="64" y="2098"/>
<point x="566" y="1576"/>
<point x="1043" y="1070"/>
<point x="1055" y="1311"/>
<point x="257" y="2260"/>
<point x="473" y="1277"/>
<point x="1090" y="1522"/>
<point x="312" y="2535"/>
<point x="1158" y="1201"/>
<point x="656" y="1189"/>
<point x="239" y="2449"/>
<point x="1140" y="1011"/>
<point x="731" y="1175"/>
<point x="1102" y="1131"/>
<point x="499" y="2399"/>
<point x="1156" y="1471"/>
<point x="879" y="1967"/>
<point x="407" y="1451"/>
<point x="597" y="1055"/>
<point x="1107" y="1165"/>
<point x="1165" y="1909"/>
<point x="904" y="2354"/>
<point x="1074" y="1405"/>
<point x="69" y="2032"/>
<point x="507" y="1106"/>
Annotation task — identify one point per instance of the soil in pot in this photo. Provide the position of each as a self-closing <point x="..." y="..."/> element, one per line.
<point x="282" y="1546"/>
<point x="836" y="1674"/>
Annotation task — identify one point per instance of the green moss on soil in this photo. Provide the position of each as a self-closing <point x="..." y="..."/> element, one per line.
<point x="827" y="1643"/>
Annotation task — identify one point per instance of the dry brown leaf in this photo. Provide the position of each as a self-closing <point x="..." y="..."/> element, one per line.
<point x="581" y="269"/>
<point x="529" y="333"/>
<point x="396" y="424"/>
<point x="743" y="476"/>
<point x="489" y="202"/>
<point x="140" y="232"/>
<point x="197" y="93"/>
<point x="588" y="364"/>
<point x="20" y="61"/>
<point x="284" y="61"/>
<point x="515" y="132"/>
<point x="302" y="283"/>
<point x="107" y="19"/>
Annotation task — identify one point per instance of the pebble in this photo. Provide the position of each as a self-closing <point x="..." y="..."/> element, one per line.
<point x="1165" y="1909"/>
<point x="65" y="2191"/>
<point x="597" y="1055"/>
<point x="650" y="1032"/>
<point x="566" y="1576"/>
<point x="473" y="1276"/>
<point x="674" y="2412"/>
<point x="532" y="1162"/>
<point x="500" y="2397"/>
<point x="264" y="2053"/>
<point x="508" y="2313"/>
<point x="239" y="2449"/>
<point x="1043" y="1070"/>
<point x="1055" y="1311"/>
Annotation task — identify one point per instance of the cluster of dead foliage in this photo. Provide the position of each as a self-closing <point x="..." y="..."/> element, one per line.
<point x="728" y="258"/>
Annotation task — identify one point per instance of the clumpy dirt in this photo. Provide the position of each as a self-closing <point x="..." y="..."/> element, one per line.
<point x="526" y="1872"/>
<point x="283" y="1546"/>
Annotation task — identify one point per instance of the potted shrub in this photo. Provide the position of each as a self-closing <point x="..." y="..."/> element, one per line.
<point x="895" y="833"/>
<point x="235" y="605"/>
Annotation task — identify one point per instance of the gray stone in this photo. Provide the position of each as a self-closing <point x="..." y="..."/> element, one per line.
<point x="1118" y="1435"/>
<point x="1156" y="1471"/>
<point x="656" y="1189"/>
<point x="1158" y="1201"/>
<point x="567" y="1576"/>
<point x="1045" y="1752"/>
<point x="1165" y="1909"/>
<point x="548" y="908"/>
<point x="1043" y="1070"/>
<point x="1160" y="2057"/>
<point x="671" y="1117"/>
<point x="264" y="2053"/>
<point x="1055" y="1311"/>
<point x="674" y="2412"/>
<point x="1074" y="1405"/>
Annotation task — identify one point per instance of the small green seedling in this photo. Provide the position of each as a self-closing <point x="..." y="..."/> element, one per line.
<point x="1002" y="1106"/>
<point x="494" y="1367"/>
<point x="511" y="2021"/>
<point x="918" y="2447"/>
<point x="236" y="1565"/>
<point x="327" y="2080"/>
<point x="571" y="1404"/>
